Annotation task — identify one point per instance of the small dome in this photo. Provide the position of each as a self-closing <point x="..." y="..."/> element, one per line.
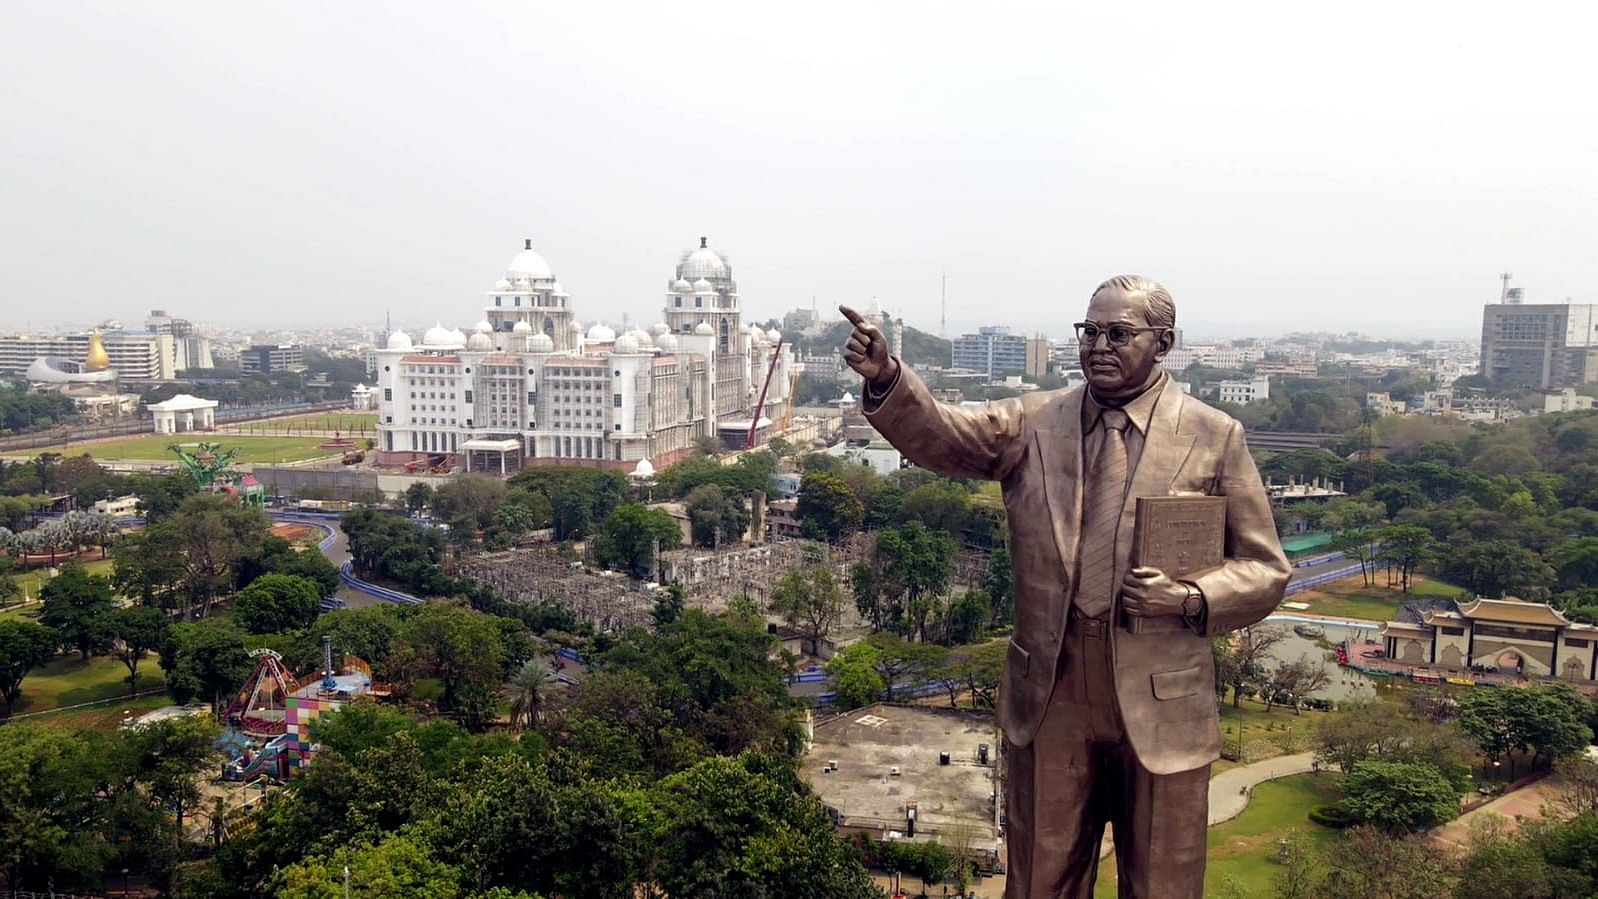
<point x="626" y="345"/>
<point x="522" y="327"/>
<point x="502" y="284"/>
<point x="667" y="342"/>
<point x="399" y="340"/>
<point x="576" y="327"/>
<point x="480" y="342"/>
<point x="703" y="329"/>
<point x="600" y="334"/>
<point x="659" y="328"/>
<point x="541" y="343"/>
<point x="558" y="290"/>
<point x="644" y="469"/>
<point x="457" y="337"/>
<point x="774" y="335"/>
<point x="483" y="327"/>
<point x="439" y="336"/>
<point x="528" y="265"/>
<point x="681" y="285"/>
<point x="643" y="338"/>
<point x="703" y="286"/>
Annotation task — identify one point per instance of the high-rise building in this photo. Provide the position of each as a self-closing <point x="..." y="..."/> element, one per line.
<point x="1540" y="345"/>
<point x="271" y="358"/>
<point x="993" y="350"/>
<point x="528" y="385"/>
<point x="1038" y="353"/>
<point x="135" y="356"/>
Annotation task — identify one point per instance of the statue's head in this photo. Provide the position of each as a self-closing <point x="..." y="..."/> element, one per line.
<point x="1129" y="327"/>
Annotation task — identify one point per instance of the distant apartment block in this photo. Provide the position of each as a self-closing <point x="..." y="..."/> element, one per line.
<point x="1272" y="368"/>
<point x="1566" y="400"/>
<point x="800" y="320"/>
<point x="1212" y="356"/>
<point x="1540" y="345"/>
<point x="1038" y="352"/>
<point x="272" y="358"/>
<point x="136" y="356"/>
<point x="1241" y="393"/>
<point x="993" y="350"/>
<point x="1382" y="405"/>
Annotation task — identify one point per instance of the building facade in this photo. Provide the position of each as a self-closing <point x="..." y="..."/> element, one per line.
<point x="1241" y="393"/>
<point x="529" y="385"/>
<point x="261" y="359"/>
<point x="1506" y="635"/>
<point x="1541" y="345"/>
<point x="993" y="350"/>
<point x="1566" y="400"/>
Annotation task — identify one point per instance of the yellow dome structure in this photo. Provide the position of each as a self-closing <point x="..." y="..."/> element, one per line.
<point x="98" y="359"/>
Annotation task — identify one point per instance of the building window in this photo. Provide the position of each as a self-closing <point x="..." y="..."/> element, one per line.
<point x="518" y="301"/>
<point x="615" y="400"/>
<point x="618" y="427"/>
<point x="499" y="301"/>
<point x="1577" y="643"/>
<point x="468" y="396"/>
<point x="388" y="394"/>
<point x="1454" y="631"/>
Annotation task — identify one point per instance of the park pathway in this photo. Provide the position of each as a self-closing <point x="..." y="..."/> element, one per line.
<point x="1231" y="790"/>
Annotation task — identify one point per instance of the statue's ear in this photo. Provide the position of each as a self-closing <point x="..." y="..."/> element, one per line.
<point x="1167" y="340"/>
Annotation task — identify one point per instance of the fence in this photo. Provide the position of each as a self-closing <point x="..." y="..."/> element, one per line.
<point x="1319" y="580"/>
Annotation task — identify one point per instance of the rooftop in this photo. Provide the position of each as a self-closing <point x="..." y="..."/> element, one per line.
<point x="868" y="743"/>
<point x="1514" y="611"/>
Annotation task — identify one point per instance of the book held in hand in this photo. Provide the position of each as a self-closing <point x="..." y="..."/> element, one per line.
<point x="1179" y="535"/>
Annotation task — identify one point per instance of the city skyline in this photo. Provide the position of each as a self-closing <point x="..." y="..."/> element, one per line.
<point x="332" y="169"/>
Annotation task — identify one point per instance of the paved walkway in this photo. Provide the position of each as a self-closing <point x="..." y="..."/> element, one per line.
<point x="1525" y="804"/>
<point x="1230" y="790"/>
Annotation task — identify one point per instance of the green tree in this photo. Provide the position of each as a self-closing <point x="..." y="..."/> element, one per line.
<point x="417" y="497"/>
<point x="854" y="675"/>
<point x="977" y="669"/>
<point x="909" y="575"/>
<point x="746" y="827"/>
<point x="1406" y="547"/>
<point x="809" y="599"/>
<point x="528" y="688"/>
<point x="714" y="516"/>
<point x="475" y="497"/>
<point x="24" y="646"/>
<point x="460" y="647"/>
<point x="1399" y="796"/>
<point x="1000" y="584"/>
<point x="942" y="506"/>
<point x="205" y="659"/>
<point x="827" y="508"/>
<point x="631" y="536"/>
<point x="135" y="631"/>
<point x="214" y="534"/>
<point x="78" y="606"/>
<point x="1496" y="568"/>
<point x="277" y="602"/>
<point x="1576" y="562"/>
<point x="397" y="866"/>
<point x="1363" y="545"/>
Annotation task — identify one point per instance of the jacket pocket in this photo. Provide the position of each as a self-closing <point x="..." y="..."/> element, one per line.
<point x="1018" y="660"/>
<point x="1177" y="684"/>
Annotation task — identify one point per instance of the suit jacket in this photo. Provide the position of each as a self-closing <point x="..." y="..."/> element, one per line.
<point x="1164" y="675"/>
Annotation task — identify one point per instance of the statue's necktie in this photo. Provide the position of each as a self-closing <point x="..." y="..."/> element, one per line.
<point x="1104" y="493"/>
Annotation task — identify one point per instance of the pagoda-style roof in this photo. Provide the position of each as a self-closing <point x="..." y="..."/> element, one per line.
<point x="1449" y="618"/>
<point x="1514" y="611"/>
<point x="1405" y="629"/>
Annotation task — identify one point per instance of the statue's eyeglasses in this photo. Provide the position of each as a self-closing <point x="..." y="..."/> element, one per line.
<point x="1087" y="333"/>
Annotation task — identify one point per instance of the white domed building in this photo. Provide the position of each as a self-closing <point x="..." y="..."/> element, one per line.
<point x="529" y="385"/>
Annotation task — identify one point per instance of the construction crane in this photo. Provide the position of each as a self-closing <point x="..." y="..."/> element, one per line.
<point x="760" y="405"/>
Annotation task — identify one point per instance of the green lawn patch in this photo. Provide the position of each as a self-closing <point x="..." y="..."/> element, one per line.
<point x="107" y="716"/>
<point x="30" y="581"/>
<point x="154" y="448"/>
<point x="69" y="681"/>
<point x="1352" y="598"/>
<point x="1243" y="850"/>
<point x="352" y="423"/>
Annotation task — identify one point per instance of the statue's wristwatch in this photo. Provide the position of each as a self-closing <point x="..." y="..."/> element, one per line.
<point x="1194" y="603"/>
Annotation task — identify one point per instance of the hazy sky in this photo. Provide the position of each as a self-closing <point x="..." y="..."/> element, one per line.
<point x="1279" y="166"/>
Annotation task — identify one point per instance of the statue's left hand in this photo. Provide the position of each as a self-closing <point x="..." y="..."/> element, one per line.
<point x="1148" y="593"/>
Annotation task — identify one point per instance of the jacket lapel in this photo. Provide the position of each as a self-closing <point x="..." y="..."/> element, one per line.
<point x="1165" y="451"/>
<point x="1060" y="449"/>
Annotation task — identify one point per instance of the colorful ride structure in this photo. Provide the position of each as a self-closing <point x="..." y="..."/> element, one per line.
<point x="209" y="466"/>
<point x="276" y="707"/>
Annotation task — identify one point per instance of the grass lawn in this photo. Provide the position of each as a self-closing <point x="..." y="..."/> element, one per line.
<point x="353" y="423"/>
<point x="1265" y="734"/>
<point x="154" y="448"/>
<point x="1243" y="850"/>
<point x="29" y="583"/>
<point x="69" y="681"/>
<point x="102" y="717"/>
<point x="1351" y="598"/>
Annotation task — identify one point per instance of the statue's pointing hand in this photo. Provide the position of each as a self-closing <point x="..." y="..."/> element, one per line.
<point x="867" y="351"/>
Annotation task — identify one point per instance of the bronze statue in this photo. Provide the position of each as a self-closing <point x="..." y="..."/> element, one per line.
<point x="1102" y="722"/>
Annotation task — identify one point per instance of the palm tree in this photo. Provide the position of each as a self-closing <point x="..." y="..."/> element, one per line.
<point x="527" y="688"/>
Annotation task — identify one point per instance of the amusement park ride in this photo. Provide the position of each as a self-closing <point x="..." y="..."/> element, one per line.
<point x="208" y="465"/>
<point x="276" y="709"/>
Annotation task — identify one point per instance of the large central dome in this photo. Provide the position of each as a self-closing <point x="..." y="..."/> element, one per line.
<point x="703" y="263"/>
<point x="528" y="264"/>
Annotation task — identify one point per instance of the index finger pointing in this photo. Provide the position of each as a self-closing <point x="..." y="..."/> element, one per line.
<point x="854" y="317"/>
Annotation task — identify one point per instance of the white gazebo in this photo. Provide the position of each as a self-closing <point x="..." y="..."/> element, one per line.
<point x="363" y="398"/>
<point x="184" y="413"/>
